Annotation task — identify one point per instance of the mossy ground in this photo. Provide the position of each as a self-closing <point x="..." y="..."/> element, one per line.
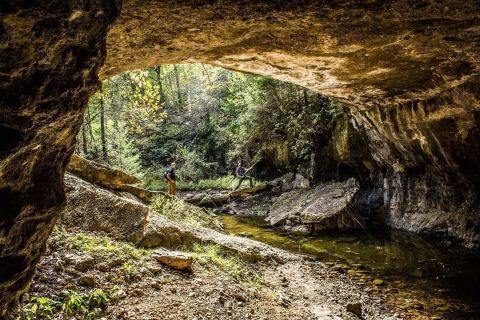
<point x="178" y="210"/>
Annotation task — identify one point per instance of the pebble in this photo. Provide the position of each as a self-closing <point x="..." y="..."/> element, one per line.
<point x="88" y="280"/>
<point x="355" y="308"/>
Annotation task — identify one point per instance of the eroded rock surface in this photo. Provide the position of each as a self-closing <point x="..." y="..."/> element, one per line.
<point x="365" y="53"/>
<point x="100" y="174"/>
<point x="174" y="259"/>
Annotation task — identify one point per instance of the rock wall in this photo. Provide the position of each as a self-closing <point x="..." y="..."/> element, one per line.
<point x="422" y="157"/>
<point x="50" y="54"/>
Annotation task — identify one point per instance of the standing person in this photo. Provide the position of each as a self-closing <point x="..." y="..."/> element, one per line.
<point x="241" y="174"/>
<point x="171" y="179"/>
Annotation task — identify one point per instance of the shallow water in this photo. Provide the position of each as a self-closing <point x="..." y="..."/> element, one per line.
<point x="444" y="279"/>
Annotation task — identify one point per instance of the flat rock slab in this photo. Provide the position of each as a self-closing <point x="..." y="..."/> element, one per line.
<point x="99" y="174"/>
<point x="174" y="259"/>
<point x="313" y="206"/>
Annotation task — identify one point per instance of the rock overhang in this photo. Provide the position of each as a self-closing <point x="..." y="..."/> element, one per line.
<point x="362" y="53"/>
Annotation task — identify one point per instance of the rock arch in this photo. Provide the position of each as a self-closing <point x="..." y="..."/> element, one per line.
<point x="407" y="70"/>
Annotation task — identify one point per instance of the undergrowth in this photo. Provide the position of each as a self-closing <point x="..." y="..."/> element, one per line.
<point x="213" y="256"/>
<point x="97" y="245"/>
<point x="70" y="305"/>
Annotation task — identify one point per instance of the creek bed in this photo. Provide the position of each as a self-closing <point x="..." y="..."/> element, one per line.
<point x="439" y="279"/>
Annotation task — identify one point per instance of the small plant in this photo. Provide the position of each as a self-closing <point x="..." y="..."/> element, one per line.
<point x="116" y="293"/>
<point x="73" y="303"/>
<point x="130" y="269"/>
<point x="97" y="299"/>
<point x="213" y="254"/>
<point x="39" y="308"/>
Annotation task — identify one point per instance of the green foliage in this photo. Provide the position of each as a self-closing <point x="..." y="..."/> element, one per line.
<point x="214" y="257"/>
<point x="72" y="304"/>
<point x="193" y="166"/>
<point x="179" y="210"/>
<point x="115" y="293"/>
<point x="130" y="269"/>
<point x="204" y="118"/>
<point x="97" y="299"/>
<point x="39" y="308"/>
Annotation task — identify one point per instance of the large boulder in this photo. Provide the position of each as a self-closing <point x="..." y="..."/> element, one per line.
<point x="92" y="208"/>
<point x="327" y="206"/>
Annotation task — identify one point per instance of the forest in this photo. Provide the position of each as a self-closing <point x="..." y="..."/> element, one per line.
<point x="204" y="118"/>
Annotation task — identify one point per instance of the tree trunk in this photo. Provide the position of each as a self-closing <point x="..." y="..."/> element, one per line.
<point x="161" y="94"/>
<point x="305" y="96"/>
<point x="84" y="142"/>
<point x="177" y="82"/>
<point x="102" y="127"/>
<point x="90" y="132"/>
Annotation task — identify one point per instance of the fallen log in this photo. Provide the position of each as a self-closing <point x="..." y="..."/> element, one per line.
<point x="224" y="198"/>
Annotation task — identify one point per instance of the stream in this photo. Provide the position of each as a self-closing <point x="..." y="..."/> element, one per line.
<point x="415" y="272"/>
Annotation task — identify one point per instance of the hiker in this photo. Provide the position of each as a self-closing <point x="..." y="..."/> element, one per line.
<point x="241" y="174"/>
<point x="170" y="176"/>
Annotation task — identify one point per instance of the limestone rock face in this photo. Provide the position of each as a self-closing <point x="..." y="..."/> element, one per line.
<point x="423" y="156"/>
<point x="367" y="54"/>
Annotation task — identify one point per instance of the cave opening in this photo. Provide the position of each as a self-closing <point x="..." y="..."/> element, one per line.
<point x="409" y="84"/>
<point x="204" y="119"/>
